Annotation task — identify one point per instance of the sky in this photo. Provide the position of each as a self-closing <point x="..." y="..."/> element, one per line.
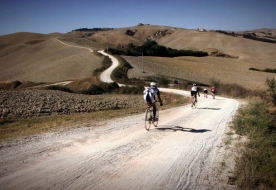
<point x="48" y="16"/>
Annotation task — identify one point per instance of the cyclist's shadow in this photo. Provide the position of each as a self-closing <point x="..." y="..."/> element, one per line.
<point x="168" y="128"/>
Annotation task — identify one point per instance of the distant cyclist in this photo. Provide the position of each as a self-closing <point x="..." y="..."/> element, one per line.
<point x="205" y="90"/>
<point x="150" y="97"/>
<point x="213" y="91"/>
<point x="194" y="92"/>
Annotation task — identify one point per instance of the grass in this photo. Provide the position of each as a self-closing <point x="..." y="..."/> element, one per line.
<point x="256" y="168"/>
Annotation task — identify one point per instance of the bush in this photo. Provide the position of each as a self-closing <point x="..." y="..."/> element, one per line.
<point x="93" y="90"/>
<point x="271" y="91"/>
<point x="57" y="87"/>
<point x="253" y="69"/>
<point x="105" y="64"/>
<point x="163" y="81"/>
<point x="130" y="89"/>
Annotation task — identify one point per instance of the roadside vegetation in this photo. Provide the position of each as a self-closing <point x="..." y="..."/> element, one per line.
<point x="251" y="36"/>
<point x="256" y="168"/>
<point x="265" y="70"/>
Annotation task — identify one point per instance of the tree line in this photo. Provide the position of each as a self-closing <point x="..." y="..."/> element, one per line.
<point x="151" y="48"/>
<point x="92" y="29"/>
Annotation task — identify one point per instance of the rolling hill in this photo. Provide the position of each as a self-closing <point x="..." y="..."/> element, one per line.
<point x="41" y="58"/>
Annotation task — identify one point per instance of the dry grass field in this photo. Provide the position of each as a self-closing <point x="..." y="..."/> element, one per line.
<point x="204" y="70"/>
<point x="43" y="59"/>
<point x="40" y="58"/>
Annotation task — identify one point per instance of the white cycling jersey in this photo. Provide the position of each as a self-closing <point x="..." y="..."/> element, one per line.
<point x="194" y="88"/>
<point x="151" y="92"/>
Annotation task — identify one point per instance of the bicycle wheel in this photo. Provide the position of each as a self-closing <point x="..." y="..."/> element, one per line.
<point x="148" y="119"/>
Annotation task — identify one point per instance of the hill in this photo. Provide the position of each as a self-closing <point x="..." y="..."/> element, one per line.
<point x="40" y="58"/>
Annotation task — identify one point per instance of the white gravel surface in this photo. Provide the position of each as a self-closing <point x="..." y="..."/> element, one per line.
<point x="185" y="151"/>
<point x="181" y="153"/>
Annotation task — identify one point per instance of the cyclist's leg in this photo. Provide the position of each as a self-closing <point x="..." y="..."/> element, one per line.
<point x="154" y="109"/>
<point x="192" y="97"/>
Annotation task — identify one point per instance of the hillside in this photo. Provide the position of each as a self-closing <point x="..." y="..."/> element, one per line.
<point x="40" y="58"/>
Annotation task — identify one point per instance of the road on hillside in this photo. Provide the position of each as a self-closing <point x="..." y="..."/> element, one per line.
<point x="181" y="153"/>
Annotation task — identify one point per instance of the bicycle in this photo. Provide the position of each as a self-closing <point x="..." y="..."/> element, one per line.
<point x="213" y="94"/>
<point x="149" y="119"/>
<point x="194" y="103"/>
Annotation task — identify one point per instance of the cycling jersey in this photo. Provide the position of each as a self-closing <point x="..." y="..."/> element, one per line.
<point x="149" y="94"/>
<point x="213" y="89"/>
<point x="194" y="88"/>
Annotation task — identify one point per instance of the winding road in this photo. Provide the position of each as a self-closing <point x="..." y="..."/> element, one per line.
<point x="119" y="154"/>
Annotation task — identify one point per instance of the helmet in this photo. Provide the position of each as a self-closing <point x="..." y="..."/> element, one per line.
<point x="194" y="84"/>
<point x="153" y="84"/>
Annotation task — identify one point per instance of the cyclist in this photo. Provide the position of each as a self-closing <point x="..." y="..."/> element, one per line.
<point x="205" y="90"/>
<point x="213" y="90"/>
<point x="150" y="97"/>
<point x="194" y="92"/>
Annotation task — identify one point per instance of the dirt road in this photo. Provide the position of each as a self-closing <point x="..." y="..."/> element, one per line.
<point x="181" y="153"/>
<point x="184" y="152"/>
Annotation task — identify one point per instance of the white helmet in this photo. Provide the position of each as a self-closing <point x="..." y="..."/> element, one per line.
<point x="153" y="84"/>
<point x="194" y="84"/>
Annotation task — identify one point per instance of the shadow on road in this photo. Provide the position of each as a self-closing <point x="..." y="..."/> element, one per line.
<point x="178" y="128"/>
<point x="210" y="108"/>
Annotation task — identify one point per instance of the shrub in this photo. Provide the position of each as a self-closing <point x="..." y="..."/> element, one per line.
<point x="163" y="81"/>
<point x="130" y="89"/>
<point x="253" y="69"/>
<point x="271" y="91"/>
<point x="93" y="90"/>
<point x="105" y="64"/>
<point x="270" y="70"/>
<point x="57" y="87"/>
<point x="108" y="87"/>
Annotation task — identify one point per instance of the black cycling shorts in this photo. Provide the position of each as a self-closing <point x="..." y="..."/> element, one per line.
<point x="193" y="93"/>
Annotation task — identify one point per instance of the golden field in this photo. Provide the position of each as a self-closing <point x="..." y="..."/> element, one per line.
<point x="41" y="58"/>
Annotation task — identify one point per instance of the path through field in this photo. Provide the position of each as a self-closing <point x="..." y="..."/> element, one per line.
<point x="181" y="153"/>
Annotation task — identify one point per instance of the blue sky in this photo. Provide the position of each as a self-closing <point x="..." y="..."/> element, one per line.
<point x="47" y="16"/>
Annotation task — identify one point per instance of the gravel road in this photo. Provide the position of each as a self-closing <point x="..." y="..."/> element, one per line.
<point x="185" y="151"/>
<point x="181" y="153"/>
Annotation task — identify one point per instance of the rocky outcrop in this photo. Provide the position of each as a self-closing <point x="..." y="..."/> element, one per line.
<point x="34" y="103"/>
<point x="160" y="34"/>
